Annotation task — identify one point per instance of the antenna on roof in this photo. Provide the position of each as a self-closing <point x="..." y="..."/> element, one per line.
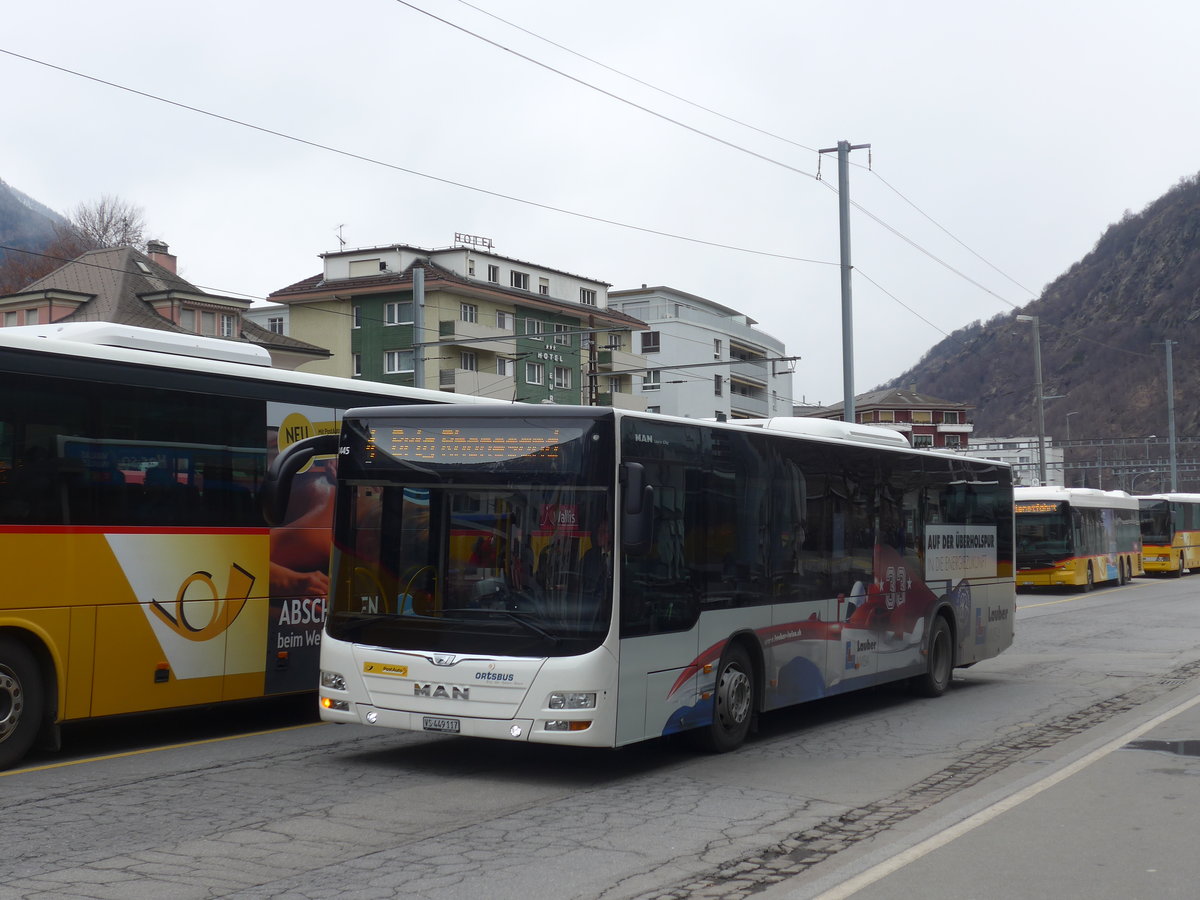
<point x="341" y="240"/>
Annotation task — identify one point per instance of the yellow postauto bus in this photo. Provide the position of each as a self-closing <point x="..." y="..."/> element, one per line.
<point x="136" y="570"/>
<point x="1075" y="537"/>
<point x="1170" y="533"/>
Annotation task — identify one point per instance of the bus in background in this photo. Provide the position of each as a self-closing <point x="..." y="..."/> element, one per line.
<point x="1170" y="533"/>
<point x="1076" y="537"/>
<point x="136" y="570"/>
<point x="595" y="577"/>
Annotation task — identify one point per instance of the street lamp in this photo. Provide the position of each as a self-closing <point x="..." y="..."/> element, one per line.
<point x="1041" y="412"/>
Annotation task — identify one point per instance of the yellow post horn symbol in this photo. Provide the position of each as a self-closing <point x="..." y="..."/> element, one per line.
<point x="224" y="610"/>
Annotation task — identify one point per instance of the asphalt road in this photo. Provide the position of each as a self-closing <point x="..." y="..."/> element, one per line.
<point x="1017" y="783"/>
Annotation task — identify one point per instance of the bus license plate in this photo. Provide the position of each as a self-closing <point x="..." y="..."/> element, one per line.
<point x="433" y="723"/>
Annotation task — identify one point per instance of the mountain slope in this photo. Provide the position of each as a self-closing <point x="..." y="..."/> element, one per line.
<point x="25" y="224"/>
<point x="1102" y="323"/>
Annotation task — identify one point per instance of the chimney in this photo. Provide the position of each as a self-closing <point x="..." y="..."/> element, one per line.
<point x="159" y="253"/>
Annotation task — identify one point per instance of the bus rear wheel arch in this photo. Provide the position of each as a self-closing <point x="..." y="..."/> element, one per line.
<point x="22" y="700"/>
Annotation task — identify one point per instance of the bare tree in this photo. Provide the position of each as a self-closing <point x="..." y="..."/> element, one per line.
<point x="109" y="222"/>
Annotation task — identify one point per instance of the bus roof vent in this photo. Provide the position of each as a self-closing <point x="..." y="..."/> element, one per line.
<point x="131" y="337"/>
<point x="837" y="430"/>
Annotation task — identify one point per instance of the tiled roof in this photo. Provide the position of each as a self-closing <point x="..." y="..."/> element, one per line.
<point x="118" y="279"/>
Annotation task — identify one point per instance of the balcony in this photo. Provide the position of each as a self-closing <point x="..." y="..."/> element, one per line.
<point x="481" y="384"/>
<point x="454" y="329"/>
<point x="962" y="428"/>
<point x="618" y="360"/>
<point x="757" y="371"/>
<point x="618" y="400"/>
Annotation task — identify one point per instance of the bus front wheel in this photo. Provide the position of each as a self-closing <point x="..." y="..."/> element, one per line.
<point x="940" y="660"/>
<point x="20" y="701"/>
<point x="733" y="703"/>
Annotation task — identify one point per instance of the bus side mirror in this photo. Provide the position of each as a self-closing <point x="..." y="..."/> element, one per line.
<point x="277" y="488"/>
<point x="637" y="511"/>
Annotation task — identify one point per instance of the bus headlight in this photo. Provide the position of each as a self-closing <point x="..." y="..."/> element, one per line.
<point x="564" y="725"/>
<point x="336" y="705"/>
<point x="572" y="700"/>
<point x="333" y="681"/>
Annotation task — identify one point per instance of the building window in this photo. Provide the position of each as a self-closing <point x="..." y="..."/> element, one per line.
<point x="468" y="312"/>
<point x="950" y="417"/>
<point x="208" y="323"/>
<point x="616" y="342"/>
<point x="954" y="441"/>
<point x="187" y="319"/>
<point x="396" y="362"/>
<point x="398" y="313"/>
<point x="506" y="367"/>
<point x="471" y="267"/>
<point x="922" y="440"/>
<point x="356" y="362"/>
<point x="275" y="324"/>
<point x="922" y="416"/>
<point x="717" y="381"/>
<point x="654" y="409"/>
<point x="716" y="348"/>
<point x="562" y="335"/>
<point x="652" y="381"/>
<point x="494" y="274"/>
<point x="505" y="321"/>
<point x="533" y="326"/>
<point x="885" y="415"/>
<point x="519" y="279"/>
<point x="614" y="384"/>
<point x="650" y="342"/>
<point x="228" y="326"/>
<point x="543" y="286"/>
<point x="361" y="267"/>
<point x="469" y="361"/>
<point x="535" y="373"/>
<point x="562" y="378"/>
<point x="356" y="317"/>
<point x="587" y="296"/>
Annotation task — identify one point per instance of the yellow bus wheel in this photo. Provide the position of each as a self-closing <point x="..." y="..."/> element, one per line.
<point x="21" y="702"/>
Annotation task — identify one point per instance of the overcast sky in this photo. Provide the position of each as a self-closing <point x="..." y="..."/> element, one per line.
<point x="1004" y="141"/>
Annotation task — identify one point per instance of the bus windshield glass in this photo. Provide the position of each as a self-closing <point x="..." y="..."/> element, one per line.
<point x="431" y="555"/>
<point x="1156" y="521"/>
<point x="1043" y="529"/>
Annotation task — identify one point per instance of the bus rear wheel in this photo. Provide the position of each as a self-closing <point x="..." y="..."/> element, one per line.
<point x="20" y="701"/>
<point x="733" y="703"/>
<point x="940" y="660"/>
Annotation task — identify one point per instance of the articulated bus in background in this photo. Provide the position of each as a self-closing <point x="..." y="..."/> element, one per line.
<point x="1170" y="533"/>
<point x="136" y="570"/>
<point x="594" y="577"/>
<point x="1076" y="537"/>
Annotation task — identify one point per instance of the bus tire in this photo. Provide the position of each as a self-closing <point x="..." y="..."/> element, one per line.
<point x="1091" y="580"/>
<point x="939" y="661"/>
<point x="1121" y="579"/>
<point x="21" y="702"/>
<point x="1179" y="572"/>
<point x="733" y="703"/>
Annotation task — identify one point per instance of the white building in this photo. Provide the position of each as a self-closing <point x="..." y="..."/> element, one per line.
<point x="704" y="359"/>
<point x="1022" y="454"/>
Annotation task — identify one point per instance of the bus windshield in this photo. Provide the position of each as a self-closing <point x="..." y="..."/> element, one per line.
<point x="1156" y="521"/>
<point x="518" y="569"/>
<point x="1043" y="529"/>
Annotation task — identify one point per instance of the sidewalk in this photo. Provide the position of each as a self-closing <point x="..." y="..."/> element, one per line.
<point x="1116" y="821"/>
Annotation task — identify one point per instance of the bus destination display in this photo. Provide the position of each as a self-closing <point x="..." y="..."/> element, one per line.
<point x="462" y="445"/>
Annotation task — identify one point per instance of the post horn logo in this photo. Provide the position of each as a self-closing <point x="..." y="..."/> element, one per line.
<point x="223" y="611"/>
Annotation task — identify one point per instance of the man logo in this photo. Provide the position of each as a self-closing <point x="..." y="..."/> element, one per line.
<point x="443" y="659"/>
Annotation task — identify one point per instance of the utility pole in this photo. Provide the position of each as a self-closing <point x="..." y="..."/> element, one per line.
<point x="843" y="151"/>
<point x="1167" y="345"/>
<point x="1041" y="402"/>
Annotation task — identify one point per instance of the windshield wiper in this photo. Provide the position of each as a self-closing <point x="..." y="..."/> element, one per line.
<point x="509" y="614"/>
